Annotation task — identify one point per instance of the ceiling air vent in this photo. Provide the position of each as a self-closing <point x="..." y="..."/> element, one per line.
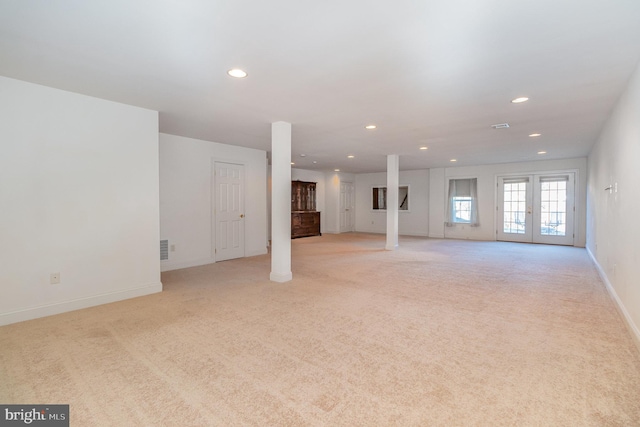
<point x="164" y="250"/>
<point x="500" y="126"/>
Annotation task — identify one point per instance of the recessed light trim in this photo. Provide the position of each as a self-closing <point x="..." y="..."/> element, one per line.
<point x="371" y="127"/>
<point x="237" y="73"/>
<point x="542" y="152"/>
<point x="453" y="160"/>
<point x="336" y="170"/>
<point x="424" y="148"/>
<point x="534" y="135"/>
<point x="303" y="155"/>
<point x="351" y="156"/>
<point x="293" y="163"/>
<point x="519" y="100"/>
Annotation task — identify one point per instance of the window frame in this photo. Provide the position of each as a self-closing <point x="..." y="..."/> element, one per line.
<point x="378" y="187"/>
<point x="454" y="217"/>
<point x="450" y="215"/>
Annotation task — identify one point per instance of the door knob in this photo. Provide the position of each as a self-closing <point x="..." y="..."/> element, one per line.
<point x="241" y="215"/>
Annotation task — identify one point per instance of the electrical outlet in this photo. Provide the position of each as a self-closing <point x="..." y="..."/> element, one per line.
<point x="54" y="278"/>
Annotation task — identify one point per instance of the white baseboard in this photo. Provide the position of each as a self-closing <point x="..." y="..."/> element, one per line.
<point x="281" y="277"/>
<point x="414" y="234"/>
<point x="256" y="253"/>
<point x="633" y="328"/>
<point x="77" y="304"/>
<point x="177" y="265"/>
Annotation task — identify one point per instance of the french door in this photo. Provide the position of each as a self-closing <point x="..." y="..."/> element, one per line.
<point x="536" y="208"/>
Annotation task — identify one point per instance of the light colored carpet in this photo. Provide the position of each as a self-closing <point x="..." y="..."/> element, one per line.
<point x="437" y="333"/>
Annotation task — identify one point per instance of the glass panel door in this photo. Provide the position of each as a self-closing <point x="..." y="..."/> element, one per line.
<point x="536" y="209"/>
<point x="554" y="213"/>
<point x="514" y="209"/>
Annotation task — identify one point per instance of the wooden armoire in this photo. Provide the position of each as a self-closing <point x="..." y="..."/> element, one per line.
<point x="305" y="220"/>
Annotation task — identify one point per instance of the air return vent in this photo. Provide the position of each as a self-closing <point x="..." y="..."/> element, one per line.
<point x="164" y="250"/>
<point x="500" y="126"/>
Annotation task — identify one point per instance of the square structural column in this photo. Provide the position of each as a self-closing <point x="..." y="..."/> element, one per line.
<point x="393" y="182"/>
<point x="281" y="202"/>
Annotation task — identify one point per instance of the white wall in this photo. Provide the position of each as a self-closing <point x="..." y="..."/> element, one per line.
<point x="486" y="175"/>
<point x="79" y="197"/>
<point x="437" y="200"/>
<point x="186" y="177"/>
<point x="414" y="222"/>
<point x="613" y="228"/>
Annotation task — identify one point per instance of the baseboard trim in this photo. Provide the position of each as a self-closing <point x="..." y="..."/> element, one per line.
<point x="382" y="232"/>
<point x="280" y="277"/>
<point x="256" y="253"/>
<point x="168" y="265"/>
<point x="77" y="304"/>
<point x="633" y="328"/>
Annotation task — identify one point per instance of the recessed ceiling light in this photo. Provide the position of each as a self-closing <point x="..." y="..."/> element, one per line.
<point x="533" y="135"/>
<point x="350" y="156"/>
<point x="453" y="160"/>
<point x="237" y="73"/>
<point x="336" y="170"/>
<point x="303" y="155"/>
<point x="542" y="152"/>
<point x="424" y="148"/>
<point x="519" y="100"/>
<point x="292" y="163"/>
<point x="314" y="162"/>
<point x="370" y="127"/>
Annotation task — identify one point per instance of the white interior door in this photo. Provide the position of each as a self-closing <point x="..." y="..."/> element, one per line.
<point x="536" y="208"/>
<point x="229" y="211"/>
<point x="347" y="203"/>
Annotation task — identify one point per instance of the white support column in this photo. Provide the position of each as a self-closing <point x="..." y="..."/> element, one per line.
<point x="393" y="181"/>
<point x="281" y="202"/>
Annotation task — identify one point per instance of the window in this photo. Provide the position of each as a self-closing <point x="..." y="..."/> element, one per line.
<point x="463" y="202"/>
<point x="379" y="198"/>
<point x="461" y="209"/>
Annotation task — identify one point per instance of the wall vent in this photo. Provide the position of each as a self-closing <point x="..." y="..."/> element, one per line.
<point x="164" y="250"/>
<point x="500" y="126"/>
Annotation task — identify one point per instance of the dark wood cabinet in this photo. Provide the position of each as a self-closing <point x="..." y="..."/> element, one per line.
<point x="305" y="224"/>
<point x="305" y="220"/>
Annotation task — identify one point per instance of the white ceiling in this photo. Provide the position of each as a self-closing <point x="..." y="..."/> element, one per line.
<point x="433" y="72"/>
